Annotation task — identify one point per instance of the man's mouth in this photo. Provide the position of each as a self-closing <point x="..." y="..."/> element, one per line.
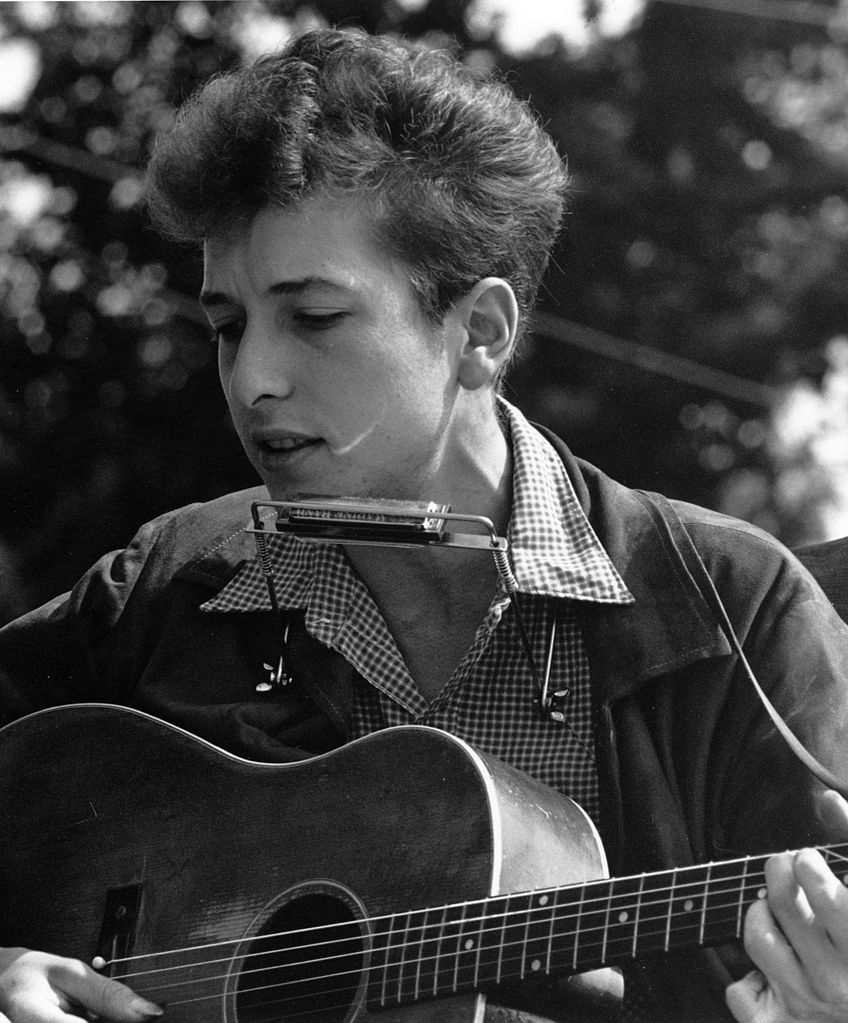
<point x="282" y="454"/>
<point x="286" y="443"/>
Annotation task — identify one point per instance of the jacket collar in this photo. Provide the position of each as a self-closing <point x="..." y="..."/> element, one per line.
<point x="670" y="624"/>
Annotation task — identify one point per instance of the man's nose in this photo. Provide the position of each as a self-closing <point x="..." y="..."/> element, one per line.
<point x="262" y="367"/>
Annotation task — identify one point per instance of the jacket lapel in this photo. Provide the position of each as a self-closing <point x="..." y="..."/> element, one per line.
<point x="326" y="677"/>
<point x="670" y="624"/>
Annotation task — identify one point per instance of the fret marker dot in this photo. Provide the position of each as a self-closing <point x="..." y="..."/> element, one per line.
<point x="845" y="879"/>
<point x="622" y="916"/>
<point x="469" y="943"/>
<point x="761" y="893"/>
<point x="536" y="964"/>
<point x="688" y="905"/>
<point x="543" y="900"/>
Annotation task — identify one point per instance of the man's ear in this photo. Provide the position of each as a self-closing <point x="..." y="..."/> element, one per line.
<point x="489" y="316"/>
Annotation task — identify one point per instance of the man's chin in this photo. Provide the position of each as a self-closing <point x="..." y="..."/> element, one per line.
<point x="279" y="493"/>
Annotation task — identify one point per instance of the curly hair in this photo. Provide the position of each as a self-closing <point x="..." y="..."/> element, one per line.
<point x="462" y="181"/>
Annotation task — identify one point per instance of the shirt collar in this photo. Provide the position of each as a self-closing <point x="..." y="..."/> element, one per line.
<point x="553" y="549"/>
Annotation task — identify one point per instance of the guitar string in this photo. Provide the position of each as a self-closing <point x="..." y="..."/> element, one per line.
<point x="350" y="994"/>
<point x="434" y="932"/>
<point x="586" y="935"/>
<point x="584" y="906"/>
<point x="443" y="932"/>
<point x="358" y="973"/>
<point x="463" y="927"/>
<point x="505" y="956"/>
<point x="372" y="969"/>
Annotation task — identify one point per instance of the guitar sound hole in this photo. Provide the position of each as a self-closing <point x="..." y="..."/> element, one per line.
<point x="304" y="965"/>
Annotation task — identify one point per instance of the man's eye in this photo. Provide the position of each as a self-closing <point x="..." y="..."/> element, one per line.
<point x="227" y="333"/>
<point x="319" y="319"/>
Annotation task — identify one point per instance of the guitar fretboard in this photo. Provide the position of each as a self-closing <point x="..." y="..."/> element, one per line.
<point x="434" y="952"/>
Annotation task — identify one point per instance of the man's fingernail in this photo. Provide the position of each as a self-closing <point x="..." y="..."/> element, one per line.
<point x="146" y="1010"/>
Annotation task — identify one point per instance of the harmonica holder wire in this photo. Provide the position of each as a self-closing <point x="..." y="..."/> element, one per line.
<point x="396" y="524"/>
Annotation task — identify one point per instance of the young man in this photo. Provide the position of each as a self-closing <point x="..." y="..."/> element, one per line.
<point x="375" y="222"/>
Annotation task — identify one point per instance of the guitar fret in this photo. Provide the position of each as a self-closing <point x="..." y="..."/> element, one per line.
<point x="468" y="944"/>
<point x="684" y="912"/>
<point x="428" y="950"/>
<point x="515" y="935"/>
<point x="469" y="953"/>
<point x="653" y="914"/>
<point x="704" y="904"/>
<point x="579" y="921"/>
<point x="502" y="942"/>
<point x="388" y="965"/>
<point x="438" y="954"/>
<point x="673" y="888"/>
<point x="621" y="918"/>
<point x="489" y="943"/>
<point x="404" y="949"/>
<point x="638" y="916"/>
<point x="445" y="976"/>
<point x="525" y="944"/>
<point x="459" y="939"/>
<point x="592" y="920"/>
<point x="741" y="907"/>
<point x="555" y="937"/>
<point x="582" y="946"/>
<point x="606" y="925"/>
<point x="480" y="940"/>
<point x="548" y="963"/>
<point x="729" y="894"/>
<point x="537" y="943"/>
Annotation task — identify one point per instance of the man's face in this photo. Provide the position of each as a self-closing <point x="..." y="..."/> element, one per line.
<point x="336" y="382"/>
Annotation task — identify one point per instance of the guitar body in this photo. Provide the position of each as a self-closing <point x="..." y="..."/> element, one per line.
<point x="127" y="838"/>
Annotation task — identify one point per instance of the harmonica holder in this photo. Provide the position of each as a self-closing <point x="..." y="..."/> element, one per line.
<point x="395" y="524"/>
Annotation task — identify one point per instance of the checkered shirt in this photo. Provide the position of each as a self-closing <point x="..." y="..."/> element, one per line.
<point x="491" y="699"/>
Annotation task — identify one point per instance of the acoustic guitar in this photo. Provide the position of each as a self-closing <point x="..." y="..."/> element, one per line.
<point x="396" y="878"/>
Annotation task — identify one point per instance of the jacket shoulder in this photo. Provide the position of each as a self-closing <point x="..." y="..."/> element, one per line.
<point x="651" y="540"/>
<point x="714" y="530"/>
<point x="205" y="541"/>
<point x="208" y="518"/>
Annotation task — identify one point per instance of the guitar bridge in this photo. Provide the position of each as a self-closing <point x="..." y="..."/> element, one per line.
<point x="117" y="932"/>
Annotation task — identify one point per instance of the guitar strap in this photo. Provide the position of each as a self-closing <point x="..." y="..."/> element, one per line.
<point x="710" y="593"/>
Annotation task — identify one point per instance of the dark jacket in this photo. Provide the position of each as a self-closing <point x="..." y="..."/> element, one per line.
<point x="691" y="769"/>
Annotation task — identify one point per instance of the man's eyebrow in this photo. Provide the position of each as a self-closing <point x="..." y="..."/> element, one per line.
<point x="292" y="287"/>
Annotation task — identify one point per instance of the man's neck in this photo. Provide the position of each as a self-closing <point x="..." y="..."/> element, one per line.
<point x="434" y="598"/>
<point x="475" y="479"/>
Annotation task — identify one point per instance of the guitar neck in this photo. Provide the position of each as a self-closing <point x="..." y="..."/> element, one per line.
<point x="434" y="952"/>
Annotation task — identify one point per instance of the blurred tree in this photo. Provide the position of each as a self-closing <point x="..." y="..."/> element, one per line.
<point x="109" y="398"/>
<point x="709" y="222"/>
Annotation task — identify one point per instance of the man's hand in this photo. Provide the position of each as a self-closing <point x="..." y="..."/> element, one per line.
<point x="798" y="939"/>
<point x="40" y="988"/>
